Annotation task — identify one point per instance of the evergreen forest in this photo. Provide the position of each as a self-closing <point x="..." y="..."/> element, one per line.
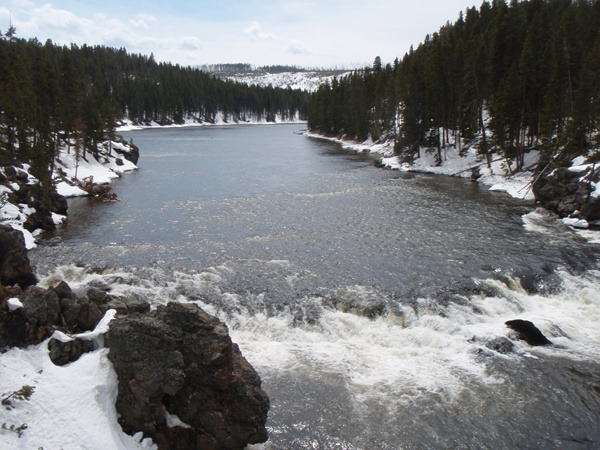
<point x="54" y="95"/>
<point x="504" y="78"/>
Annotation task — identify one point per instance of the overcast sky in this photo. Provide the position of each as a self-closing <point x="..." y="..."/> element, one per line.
<point x="315" y="33"/>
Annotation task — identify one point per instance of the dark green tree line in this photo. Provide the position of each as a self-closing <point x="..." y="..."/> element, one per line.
<point x="526" y="71"/>
<point x="53" y="96"/>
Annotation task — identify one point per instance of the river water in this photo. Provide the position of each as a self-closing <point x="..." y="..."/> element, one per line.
<point x="363" y="297"/>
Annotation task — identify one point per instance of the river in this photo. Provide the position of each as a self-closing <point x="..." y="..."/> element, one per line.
<point x="363" y="297"/>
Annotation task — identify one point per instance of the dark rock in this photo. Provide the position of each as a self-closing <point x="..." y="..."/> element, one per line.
<point x="14" y="264"/>
<point x="58" y="203"/>
<point x="62" y="353"/>
<point x="136" y="304"/>
<point x="562" y="191"/>
<point x="118" y="305"/>
<point x="89" y="315"/>
<point x="98" y="296"/>
<point x="10" y="172"/>
<point x="63" y="290"/>
<point x="41" y="218"/>
<point x="179" y="359"/>
<point x="501" y="345"/>
<point x="370" y="306"/>
<point x="528" y="332"/>
<point x="40" y="307"/>
<point x="13" y="328"/>
<point x="21" y="176"/>
<point x="32" y="323"/>
<point x="132" y="155"/>
<point x="119" y="162"/>
<point x="70" y="310"/>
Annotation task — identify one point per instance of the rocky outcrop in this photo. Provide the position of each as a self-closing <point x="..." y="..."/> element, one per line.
<point x="131" y="154"/>
<point x="528" y="332"/>
<point x="44" y="311"/>
<point x="62" y="353"/>
<point x="14" y="264"/>
<point x="568" y="192"/>
<point x="13" y="174"/>
<point x="178" y="361"/>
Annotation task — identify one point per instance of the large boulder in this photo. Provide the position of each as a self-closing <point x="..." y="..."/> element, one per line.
<point x="528" y="332"/>
<point x="14" y="264"/>
<point x="178" y="361"/>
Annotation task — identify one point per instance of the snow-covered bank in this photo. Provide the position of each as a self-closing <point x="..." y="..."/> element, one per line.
<point x="108" y="166"/>
<point x="220" y="120"/>
<point x="72" y="407"/>
<point x="70" y="171"/>
<point x="498" y="177"/>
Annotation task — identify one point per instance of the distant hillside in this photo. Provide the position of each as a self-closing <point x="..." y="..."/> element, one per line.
<point x="57" y="96"/>
<point x="284" y="77"/>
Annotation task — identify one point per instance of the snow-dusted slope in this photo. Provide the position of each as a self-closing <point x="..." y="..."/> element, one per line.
<point x="308" y="81"/>
<point x="70" y="171"/>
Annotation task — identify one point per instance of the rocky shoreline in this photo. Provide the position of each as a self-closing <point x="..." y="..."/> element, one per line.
<point x="182" y="382"/>
<point x="569" y="188"/>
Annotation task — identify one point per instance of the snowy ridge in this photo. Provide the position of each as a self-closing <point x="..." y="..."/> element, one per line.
<point x="306" y="81"/>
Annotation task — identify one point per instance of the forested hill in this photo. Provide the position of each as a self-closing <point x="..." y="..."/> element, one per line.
<point x="46" y="88"/>
<point x="504" y="77"/>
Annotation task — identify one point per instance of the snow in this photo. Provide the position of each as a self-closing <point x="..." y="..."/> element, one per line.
<point x="219" y="120"/>
<point x="576" y="223"/>
<point x="29" y="239"/>
<point x="62" y="337"/>
<point x="72" y="407"/>
<point x="97" y="335"/>
<point x="14" y="304"/>
<point x="306" y="81"/>
<point x="58" y="218"/>
<point x="174" y="421"/>
<point x="498" y="177"/>
<point x="386" y="149"/>
<point x="67" y="190"/>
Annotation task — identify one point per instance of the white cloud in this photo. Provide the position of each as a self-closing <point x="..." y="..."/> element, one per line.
<point x="296" y="47"/>
<point x="257" y="34"/>
<point x="330" y="32"/>
<point x="146" y="17"/>
<point x="138" y="23"/>
<point x="190" y="43"/>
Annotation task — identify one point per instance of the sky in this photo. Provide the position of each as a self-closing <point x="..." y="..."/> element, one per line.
<point x="307" y="33"/>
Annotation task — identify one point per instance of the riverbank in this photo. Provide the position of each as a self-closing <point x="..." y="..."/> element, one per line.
<point x="220" y="120"/>
<point x="74" y="175"/>
<point x="500" y="176"/>
<point x="64" y="389"/>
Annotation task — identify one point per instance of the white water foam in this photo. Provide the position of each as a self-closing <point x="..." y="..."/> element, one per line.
<point x="420" y="350"/>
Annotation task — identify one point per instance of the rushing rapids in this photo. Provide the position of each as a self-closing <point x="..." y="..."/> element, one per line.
<point x="370" y="303"/>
